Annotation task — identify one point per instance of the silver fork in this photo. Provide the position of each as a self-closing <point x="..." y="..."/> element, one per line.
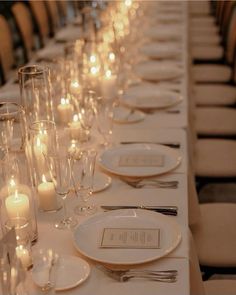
<point x="139" y="183"/>
<point x="168" y="276"/>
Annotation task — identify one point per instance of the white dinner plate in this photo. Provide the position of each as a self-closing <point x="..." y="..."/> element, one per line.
<point x="123" y="115"/>
<point x="87" y="236"/>
<point x="164" y="33"/>
<point x="111" y="159"/>
<point x="100" y="182"/>
<point x="157" y="50"/>
<point x="70" y="272"/>
<point x="157" y="71"/>
<point x="145" y="96"/>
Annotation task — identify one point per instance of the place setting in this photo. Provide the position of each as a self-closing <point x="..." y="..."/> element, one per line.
<point x="147" y="97"/>
<point x="156" y="71"/>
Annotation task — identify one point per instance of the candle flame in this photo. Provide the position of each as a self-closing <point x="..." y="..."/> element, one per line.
<point x="44" y="178"/>
<point x="75" y="84"/>
<point x="108" y="73"/>
<point x="65" y="101"/>
<point x="12" y="182"/>
<point x="94" y="70"/>
<point x="128" y="2"/>
<point x="93" y="58"/>
<point x="75" y="118"/>
<point x="112" y="56"/>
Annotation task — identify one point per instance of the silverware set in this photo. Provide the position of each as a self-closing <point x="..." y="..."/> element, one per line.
<point x="164" y="276"/>
<point x="167" y="210"/>
<point x="151" y="182"/>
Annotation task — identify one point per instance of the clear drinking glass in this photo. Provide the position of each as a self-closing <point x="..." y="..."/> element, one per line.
<point x="104" y="118"/>
<point x="87" y="111"/>
<point x="35" y="88"/>
<point x="44" y="269"/>
<point x="12" y="127"/>
<point x="60" y="174"/>
<point x="82" y="179"/>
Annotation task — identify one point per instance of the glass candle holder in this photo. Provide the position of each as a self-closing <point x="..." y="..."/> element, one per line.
<point x="17" y="195"/>
<point x="12" y="127"/>
<point x="35" y="88"/>
<point x="43" y="140"/>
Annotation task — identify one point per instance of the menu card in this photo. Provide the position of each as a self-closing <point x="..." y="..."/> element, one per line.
<point x="140" y="160"/>
<point x="131" y="238"/>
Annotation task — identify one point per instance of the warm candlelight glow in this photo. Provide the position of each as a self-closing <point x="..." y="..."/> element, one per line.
<point x="94" y="70"/>
<point x="47" y="195"/>
<point x="108" y="74"/>
<point x="112" y="56"/>
<point x="65" y="110"/>
<point x="75" y="84"/>
<point x="12" y="182"/>
<point x="75" y="118"/>
<point x="93" y="58"/>
<point x="128" y="2"/>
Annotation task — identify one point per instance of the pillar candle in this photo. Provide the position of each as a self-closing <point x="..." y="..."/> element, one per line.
<point x="65" y="110"/>
<point x="23" y="254"/>
<point x="108" y="85"/>
<point x="75" y="127"/>
<point x="47" y="195"/>
<point x="17" y="205"/>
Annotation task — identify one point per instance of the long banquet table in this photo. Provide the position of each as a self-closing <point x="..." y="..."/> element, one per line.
<point x="158" y="127"/>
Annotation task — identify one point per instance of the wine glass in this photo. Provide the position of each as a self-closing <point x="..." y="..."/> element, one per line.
<point x="60" y="173"/>
<point x="104" y="116"/>
<point x="82" y="168"/>
<point x="87" y="111"/>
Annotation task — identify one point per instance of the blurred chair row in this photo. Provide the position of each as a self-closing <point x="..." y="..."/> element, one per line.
<point x="212" y="137"/>
<point x="28" y="26"/>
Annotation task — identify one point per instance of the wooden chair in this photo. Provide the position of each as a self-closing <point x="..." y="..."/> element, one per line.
<point x="40" y="15"/>
<point x="54" y="17"/>
<point x="6" y="49"/>
<point x="24" y="22"/>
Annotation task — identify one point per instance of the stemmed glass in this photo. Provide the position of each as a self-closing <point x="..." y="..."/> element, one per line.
<point x="82" y="179"/>
<point x="87" y="111"/>
<point x="60" y="173"/>
<point x="104" y="116"/>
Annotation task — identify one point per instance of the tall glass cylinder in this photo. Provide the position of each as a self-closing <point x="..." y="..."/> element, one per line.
<point x="12" y="127"/>
<point x="17" y="195"/>
<point x="42" y="141"/>
<point x="35" y="91"/>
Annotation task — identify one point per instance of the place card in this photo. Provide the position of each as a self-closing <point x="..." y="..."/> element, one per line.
<point x="138" y="160"/>
<point x="131" y="238"/>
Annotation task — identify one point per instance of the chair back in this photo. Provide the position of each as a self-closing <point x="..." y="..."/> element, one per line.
<point x="54" y="17"/>
<point x="24" y="22"/>
<point x="39" y="13"/>
<point x="6" y="47"/>
<point x="231" y="38"/>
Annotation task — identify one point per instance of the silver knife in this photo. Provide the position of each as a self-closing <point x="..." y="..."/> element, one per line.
<point x="169" y="144"/>
<point x="167" y="210"/>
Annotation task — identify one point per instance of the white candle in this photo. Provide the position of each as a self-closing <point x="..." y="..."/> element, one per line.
<point x="47" y="195"/>
<point x="65" y="110"/>
<point x="24" y="255"/>
<point x="43" y="136"/>
<point x="17" y="205"/>
<point x="75" y="127"/>
<point x="108" y="85"/>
